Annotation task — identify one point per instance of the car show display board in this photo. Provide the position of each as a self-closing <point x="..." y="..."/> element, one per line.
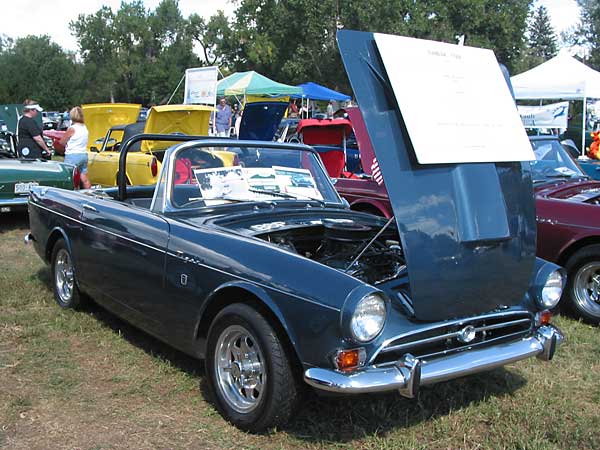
<point x="454" y="101"/>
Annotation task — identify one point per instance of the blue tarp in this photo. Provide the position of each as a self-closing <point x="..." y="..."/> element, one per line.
<point x="315" y="91"/>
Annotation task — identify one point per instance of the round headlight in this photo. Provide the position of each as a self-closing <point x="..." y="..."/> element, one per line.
<point x="552" y="290"/>
<point x="368" y="318"/>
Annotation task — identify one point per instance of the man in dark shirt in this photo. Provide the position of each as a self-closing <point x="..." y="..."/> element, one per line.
<point x="29" y="134"/>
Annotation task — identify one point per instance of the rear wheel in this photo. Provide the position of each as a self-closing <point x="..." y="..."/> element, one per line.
<point x="65" y="289"/>
<point x="249" y="372"/>
<point x="583" y="284"/>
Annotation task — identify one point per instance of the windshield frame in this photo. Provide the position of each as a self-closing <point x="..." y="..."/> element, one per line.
<point x="162" y="199"/>
<point x="537" y="176"/>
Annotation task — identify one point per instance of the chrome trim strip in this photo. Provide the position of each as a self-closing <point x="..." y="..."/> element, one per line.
<point x="100" y="229"/>
<point x="395" y="377"/>
<point x="458" y="322"/>
<point x="167" y="252"/>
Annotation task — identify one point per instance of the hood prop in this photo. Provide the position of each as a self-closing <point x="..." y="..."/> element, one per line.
<point x="366" y="247"/>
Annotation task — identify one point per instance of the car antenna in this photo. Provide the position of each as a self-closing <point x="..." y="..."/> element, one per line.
<point x="379" y="233"/>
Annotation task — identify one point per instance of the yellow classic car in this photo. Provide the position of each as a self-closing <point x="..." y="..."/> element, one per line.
<point x="144" y="159"/>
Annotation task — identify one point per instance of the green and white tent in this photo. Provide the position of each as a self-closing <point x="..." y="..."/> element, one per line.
<point x="253" y="83"/>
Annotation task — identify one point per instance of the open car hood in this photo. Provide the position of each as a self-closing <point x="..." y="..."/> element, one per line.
<point x="324" y="131"/>
<point x="100" y="117"/>
<point x="260" y="120"/>
<point x="176" y="119"/>
<point x="468" y="230"/>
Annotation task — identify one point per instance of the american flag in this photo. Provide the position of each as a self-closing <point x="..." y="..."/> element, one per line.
<point x="376" y="172"/>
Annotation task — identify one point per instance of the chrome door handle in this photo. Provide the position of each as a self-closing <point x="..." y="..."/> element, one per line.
<point x="89" y="207"/>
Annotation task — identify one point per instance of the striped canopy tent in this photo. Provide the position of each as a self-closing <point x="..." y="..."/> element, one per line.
<point x="253" y="83"/>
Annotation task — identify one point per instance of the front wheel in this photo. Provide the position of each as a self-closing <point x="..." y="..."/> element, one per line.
<point x="249" y="372"/>
<point x="583" y="285"/>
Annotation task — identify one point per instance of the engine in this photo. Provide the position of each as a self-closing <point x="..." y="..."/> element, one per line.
<point x="347" y="246"/>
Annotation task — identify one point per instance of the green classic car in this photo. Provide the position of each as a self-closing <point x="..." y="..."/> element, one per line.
<point x="19" y="175"/>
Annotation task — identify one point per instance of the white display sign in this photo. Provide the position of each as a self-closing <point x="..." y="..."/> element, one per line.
<point x="554" y="115"/>
<point x="201" y="86"/>
<point x="454" y="101"/>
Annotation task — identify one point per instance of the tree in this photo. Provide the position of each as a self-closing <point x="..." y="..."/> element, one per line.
<point x="134" y="54"/>
<point x="294" y="41"/>
<point x="34" y="67"/>
<point x="542" y="38"/>
<point x="587" y="32"/>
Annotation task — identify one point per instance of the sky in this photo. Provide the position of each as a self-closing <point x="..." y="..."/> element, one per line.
<point x="23" y="17"/>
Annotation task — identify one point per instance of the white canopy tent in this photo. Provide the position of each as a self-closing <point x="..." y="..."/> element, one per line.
<point x="562" y="77"/>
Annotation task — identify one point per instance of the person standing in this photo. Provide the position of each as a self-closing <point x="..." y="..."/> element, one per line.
<point x="330" y="109"/>
<point x="75" y="141"/>
<point x="29" y="134"/>
<point x="223" y="118"/>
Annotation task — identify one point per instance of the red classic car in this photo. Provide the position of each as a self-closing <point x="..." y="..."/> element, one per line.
<point x="568" y="213"/>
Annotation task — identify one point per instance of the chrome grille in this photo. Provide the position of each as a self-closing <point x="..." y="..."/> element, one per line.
<point x="443" y="339"/>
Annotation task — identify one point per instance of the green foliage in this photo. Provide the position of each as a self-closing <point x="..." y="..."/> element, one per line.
<point x="541" y="40"/>
<point x="134" y="55"/>
<point x="587" y="32"/>
<point x="35" y="67"/>
<point x="294" y="41"/>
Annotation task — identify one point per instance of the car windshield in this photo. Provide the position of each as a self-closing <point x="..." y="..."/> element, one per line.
<point x="211" y="176"/>
<point x="552" y="162"/>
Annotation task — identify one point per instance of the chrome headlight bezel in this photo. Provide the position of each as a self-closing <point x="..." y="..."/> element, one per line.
<point x="358" y="303"/>
<point x="552" y="290"/>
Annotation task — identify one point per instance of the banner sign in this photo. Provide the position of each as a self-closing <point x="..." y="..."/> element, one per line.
<point x="201" y="86"/>
<point x="546" y="116"/>
<point x="473" y="117"/>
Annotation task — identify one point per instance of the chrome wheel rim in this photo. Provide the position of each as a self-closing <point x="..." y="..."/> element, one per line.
<point x="587" y="288"/>
<point x="240" y="369"/>
<point x="63" y="276"/>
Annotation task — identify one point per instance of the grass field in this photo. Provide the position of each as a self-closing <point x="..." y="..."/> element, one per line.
<point x="87" y="380"/>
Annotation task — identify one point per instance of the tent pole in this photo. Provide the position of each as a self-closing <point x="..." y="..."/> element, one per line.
<point x="583" y="125"/>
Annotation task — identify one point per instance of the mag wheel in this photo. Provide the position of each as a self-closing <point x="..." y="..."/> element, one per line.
<point x="248" y="370"/>
<point x="583" y="285"/>
<point x="65" y="289"/>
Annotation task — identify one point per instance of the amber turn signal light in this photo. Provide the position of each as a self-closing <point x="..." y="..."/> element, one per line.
<point x="543" y="317"/>
<point x="350" y="359"/>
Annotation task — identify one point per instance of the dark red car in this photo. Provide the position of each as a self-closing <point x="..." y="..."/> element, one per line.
<point x="568" y="213"/>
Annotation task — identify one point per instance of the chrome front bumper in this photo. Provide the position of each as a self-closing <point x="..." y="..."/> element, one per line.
<point x="6" y="204"/>
<point x="408" y="373"/>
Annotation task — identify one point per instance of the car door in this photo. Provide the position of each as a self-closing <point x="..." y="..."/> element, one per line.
<point x="103" y="167"/>
<point x="123" y="254"/>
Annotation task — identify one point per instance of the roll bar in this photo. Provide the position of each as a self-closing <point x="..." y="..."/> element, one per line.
<point x="121" y="176"/>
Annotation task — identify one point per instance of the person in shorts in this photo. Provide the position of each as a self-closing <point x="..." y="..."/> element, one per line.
<point x="75" y="141"/>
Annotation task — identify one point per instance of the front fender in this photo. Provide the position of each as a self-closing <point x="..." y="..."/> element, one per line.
<point x="258" y="292"/>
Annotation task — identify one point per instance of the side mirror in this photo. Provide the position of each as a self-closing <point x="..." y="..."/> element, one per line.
<point x="94" y="149"/>
<point x="346" y="203"/>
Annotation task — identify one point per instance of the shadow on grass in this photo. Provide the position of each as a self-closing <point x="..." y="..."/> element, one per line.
<point x="14" y="221"/>
<point x="337" y="419"/>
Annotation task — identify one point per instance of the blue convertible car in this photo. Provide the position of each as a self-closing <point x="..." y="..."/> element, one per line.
<point x="262" y="270"/>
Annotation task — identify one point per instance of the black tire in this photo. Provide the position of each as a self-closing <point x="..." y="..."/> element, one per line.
<point x="66" y="298"/>
<point x="582" y="263"/>
<point x="279" y="396"/>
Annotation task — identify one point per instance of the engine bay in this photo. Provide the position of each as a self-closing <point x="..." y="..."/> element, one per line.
<point x="371" y="254"/>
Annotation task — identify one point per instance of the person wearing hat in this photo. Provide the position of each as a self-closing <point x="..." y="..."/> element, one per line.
<point x="29" y="134"/>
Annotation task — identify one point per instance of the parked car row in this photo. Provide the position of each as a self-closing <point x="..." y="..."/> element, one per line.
<point x="266" y="259"/>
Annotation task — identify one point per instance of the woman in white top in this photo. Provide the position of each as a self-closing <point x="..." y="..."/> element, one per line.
<point x="75" y="141"/>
